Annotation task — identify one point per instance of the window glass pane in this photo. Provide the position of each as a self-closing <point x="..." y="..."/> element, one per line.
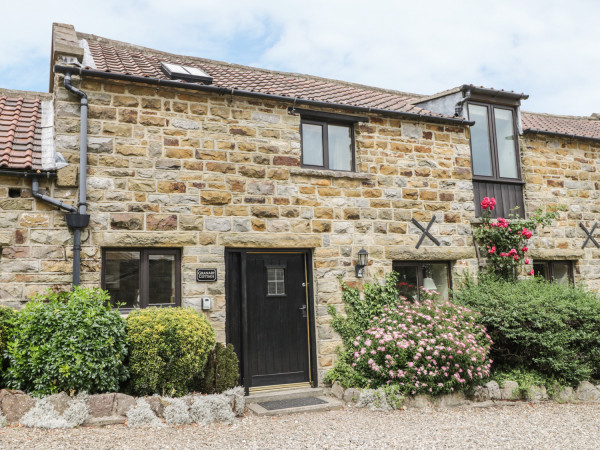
<point x="161" y="279"/>
<point x="340" y="147"/>
<point x="407" y="281"/>
<point x="312" y="144"/>
<point x="122" y="277"/>
<point x="540" y="270"/>
<point x="435" y="277"/>
<point x="480" y="141"/>
<point x="505" y="138"/>
<point x="561" y="272"/>
<point x="275" y="281"/>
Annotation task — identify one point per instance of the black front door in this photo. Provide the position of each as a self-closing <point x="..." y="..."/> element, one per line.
<point x="277" y="322"/>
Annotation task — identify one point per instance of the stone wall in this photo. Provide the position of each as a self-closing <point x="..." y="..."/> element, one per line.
<point x="564" y="172"/>
<point x="175" y="168"/>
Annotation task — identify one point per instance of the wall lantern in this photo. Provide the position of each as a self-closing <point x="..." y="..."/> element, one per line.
<point x="363" y="256"/>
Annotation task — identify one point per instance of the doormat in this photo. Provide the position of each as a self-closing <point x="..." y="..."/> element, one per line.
<point x="292" y="403"/>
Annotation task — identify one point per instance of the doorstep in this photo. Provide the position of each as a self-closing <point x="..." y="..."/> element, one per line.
<point x="291" y="401"/>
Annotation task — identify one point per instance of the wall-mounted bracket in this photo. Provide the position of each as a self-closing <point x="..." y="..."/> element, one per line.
<point x="589" y="235"/>
<point x="426" y="232"/>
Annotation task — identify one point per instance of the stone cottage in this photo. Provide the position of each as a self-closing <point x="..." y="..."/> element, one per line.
<point x="248" y="193"/>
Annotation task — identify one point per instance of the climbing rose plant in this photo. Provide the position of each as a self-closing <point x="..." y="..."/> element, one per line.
<point x="423" y="347"/>
<point x="505" y="241"/>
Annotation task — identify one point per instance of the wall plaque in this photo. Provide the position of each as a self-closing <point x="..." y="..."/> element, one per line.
<point x="206" y="275"/>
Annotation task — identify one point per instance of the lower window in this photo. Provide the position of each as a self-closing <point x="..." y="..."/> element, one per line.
<point x="138" y="278"/>
<point x="434" y="276"/>
<point x="557" y="271"/>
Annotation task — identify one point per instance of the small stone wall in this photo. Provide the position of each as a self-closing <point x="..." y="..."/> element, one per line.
<point x="114" y="408"/>
<point x="483" y="396"/>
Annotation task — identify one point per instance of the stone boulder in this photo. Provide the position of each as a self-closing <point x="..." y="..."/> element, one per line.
<point x="565" y="395"/>
<point x="337" y="390"/>
<point x="101" y="405"/>
<point x="587" y="392"/>
<point x="15" y="404"/>
<point x="451" y="400"/>
<point x="351" y="395"/>
<point x="510" y="391"/>
<point x="536" y="393"/>
<point x="60" y="402"/>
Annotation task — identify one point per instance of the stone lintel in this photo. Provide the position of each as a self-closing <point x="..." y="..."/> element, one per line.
<point x="267" y="240"/>
<point x="144" y="239"/>
<point x="557" y="253"/>
<point x="410" y="253"/>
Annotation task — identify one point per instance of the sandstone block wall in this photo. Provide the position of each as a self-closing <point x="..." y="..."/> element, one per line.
<point x="565" y="172"/>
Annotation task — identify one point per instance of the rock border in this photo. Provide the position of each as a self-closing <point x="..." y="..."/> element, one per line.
<point x="117" y="408"/>
<point x="488" y="395"/>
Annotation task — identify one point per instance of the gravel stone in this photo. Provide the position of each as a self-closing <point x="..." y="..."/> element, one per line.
<point x="522" y="425"/>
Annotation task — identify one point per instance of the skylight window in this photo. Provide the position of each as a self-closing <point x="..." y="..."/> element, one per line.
<point x="187" y="73"/>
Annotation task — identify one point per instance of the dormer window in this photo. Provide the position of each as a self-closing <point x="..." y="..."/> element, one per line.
<point x="494" y="143"/>
<point x="495" y="158"/>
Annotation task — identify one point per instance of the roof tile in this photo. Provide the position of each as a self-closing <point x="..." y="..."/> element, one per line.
<point x="583" y="127"/>
<point x="20" y="133"/>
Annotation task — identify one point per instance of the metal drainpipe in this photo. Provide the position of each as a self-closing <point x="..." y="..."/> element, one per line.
<point x="458" y="108"/>
<point x="79" y="219"/>
<point x="35" y="191"/>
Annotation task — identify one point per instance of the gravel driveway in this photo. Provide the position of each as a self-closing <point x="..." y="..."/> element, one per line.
<point x="522" y="425"/>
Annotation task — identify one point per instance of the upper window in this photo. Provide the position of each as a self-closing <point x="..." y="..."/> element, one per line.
<point x="494" y="142"/>
<point x="558" y="271"/>
<point x="495" y="158"/>
<point x="138" y="278"/>
<point x="327" y="145"/>
<point x="434" y="276"/>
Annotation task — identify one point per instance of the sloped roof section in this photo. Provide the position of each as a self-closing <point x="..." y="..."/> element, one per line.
<point x="20" y="132"/>
<point x="577" y="127"/>
<point x="121" y="58"/>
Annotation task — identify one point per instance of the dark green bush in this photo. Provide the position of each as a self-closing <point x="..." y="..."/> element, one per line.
<point x="168" y="349"/>
<point x="222" y="370"/>
<point x="68" y="341"/>
<point x="547" y="328"/>
<point x="7" y="318"/>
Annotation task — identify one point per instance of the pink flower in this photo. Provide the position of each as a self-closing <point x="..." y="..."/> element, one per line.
<point x="525" y="249"/>
<point x="492" y="250"/>
<point x="526" y="260"/>
<point x="530" y="272"/>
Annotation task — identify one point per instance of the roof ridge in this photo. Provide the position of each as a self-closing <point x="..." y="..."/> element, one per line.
<point x="27" y="95"/>
<point x="135" y="47"/>
<point x="560" y="116"/>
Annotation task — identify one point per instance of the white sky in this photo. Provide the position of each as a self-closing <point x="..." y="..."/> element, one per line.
<point x="545" y="48"/>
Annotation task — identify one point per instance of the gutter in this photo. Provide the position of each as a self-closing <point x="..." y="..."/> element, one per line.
<point x="78" y="219"/>
<point x="564" y="135"/>
<point x="27" y="173"/>
<point x="232" y="91"/>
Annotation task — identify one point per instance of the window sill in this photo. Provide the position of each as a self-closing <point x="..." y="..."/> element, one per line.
<point x="332" y="173"/>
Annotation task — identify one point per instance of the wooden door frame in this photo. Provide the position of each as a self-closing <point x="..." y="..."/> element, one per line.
<point x="236" y="304"/>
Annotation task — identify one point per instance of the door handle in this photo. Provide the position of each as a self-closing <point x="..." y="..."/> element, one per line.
<point x="303" y="309"/>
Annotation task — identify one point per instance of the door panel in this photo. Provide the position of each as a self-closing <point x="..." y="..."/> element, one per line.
<point x="278" y="349"/>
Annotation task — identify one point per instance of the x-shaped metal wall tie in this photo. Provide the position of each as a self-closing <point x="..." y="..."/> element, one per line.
<point x="589" y="235"/>
<point x="426" y="232"/>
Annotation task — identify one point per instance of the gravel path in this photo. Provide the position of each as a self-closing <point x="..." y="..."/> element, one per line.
<point x="523" y="425"/>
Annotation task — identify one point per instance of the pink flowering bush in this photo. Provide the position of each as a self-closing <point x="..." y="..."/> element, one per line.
<point x="505" y="241"/>
<point x="424" y="348"/>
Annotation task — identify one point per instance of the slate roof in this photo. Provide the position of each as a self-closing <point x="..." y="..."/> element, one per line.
<point x="121" y="58"/>
<point x="20" y="132"/>
<point x="579" y="127"/>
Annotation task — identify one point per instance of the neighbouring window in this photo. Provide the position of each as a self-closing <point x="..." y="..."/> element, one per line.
<point x="138" y="278"/>
<point x="430" y="275"/>
<point x="495" y="158"/>
<point x="275" y="280"/>
<point x="557" y="271"/>
<point x="327" y="145"/>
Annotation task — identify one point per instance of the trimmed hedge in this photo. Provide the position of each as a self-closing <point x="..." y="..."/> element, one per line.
<point x="68" y="341"/>
<point x="222" y="370"/>
<point x="168" y="350"/>
<point x="548" y="328"/>
<point x="7" y="318"/>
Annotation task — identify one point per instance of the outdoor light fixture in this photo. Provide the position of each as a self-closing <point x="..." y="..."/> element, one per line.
<point x="363" y="256"/>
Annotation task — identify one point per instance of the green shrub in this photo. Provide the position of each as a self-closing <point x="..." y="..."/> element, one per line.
<point x="7" y="318"/>
<point x="362" y="306"/>
<point x="68" y="341"/>
<point x="420" y="347"/>
<point x="548" y="328"/>
<point x="222" y="370"/>
<point x="168" y="349"/>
